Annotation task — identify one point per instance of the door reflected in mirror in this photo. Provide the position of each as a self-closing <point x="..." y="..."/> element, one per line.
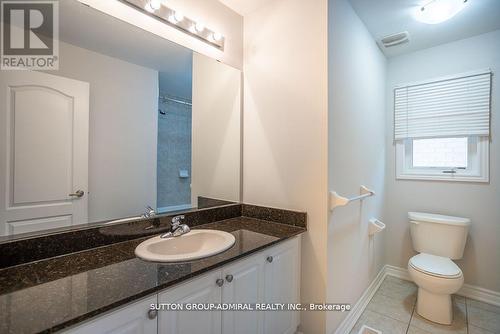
<point x="128" y="121"/>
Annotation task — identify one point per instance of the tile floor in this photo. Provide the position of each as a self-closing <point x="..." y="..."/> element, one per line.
<point x="392" y="311"/>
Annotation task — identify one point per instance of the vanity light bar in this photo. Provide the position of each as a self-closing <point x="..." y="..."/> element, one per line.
<point x="156" y="9"/>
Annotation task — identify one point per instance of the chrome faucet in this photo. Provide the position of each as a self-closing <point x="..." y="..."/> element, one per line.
<point x="176" y="228"/>
<point x="150" y="212"/>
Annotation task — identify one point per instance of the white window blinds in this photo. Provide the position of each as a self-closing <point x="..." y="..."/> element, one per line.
<point x="458" y="106"/>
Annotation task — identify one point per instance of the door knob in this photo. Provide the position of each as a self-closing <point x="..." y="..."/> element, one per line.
<point x="229" y="278"/>
<point x="219" y="282"/>
<point x="78" y="193"/>
<point x="269" y="259"/>
<point x="152" y="314"/>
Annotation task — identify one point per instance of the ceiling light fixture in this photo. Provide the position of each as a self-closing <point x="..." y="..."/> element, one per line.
<point x="175" y="18"/>
<point x="437" y="11"/>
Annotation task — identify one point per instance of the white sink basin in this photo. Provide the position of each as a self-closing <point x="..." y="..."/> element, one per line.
<point x="193" y="245"/>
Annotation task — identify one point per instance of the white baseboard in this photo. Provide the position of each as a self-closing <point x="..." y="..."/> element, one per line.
<point x="350" y="320"/>
<point x="469" y="291"/>
<point x="481" y="294"/>
<point x="398" y="272"/>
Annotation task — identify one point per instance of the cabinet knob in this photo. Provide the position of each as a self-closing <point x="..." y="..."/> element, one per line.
<point x="152" y="314"/>
<point x="229" y="278"/>
<point x="269" y="259"/>
<point x="219" y="282"/>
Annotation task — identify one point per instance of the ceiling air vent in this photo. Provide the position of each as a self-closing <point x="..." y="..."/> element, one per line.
<point x="395" y="39"/>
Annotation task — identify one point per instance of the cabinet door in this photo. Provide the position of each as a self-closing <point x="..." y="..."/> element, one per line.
<point x="200" y="290"/>
<point x="281" y="275"/>
<point x="132" y="319"/>
<point x="244" y="283"/>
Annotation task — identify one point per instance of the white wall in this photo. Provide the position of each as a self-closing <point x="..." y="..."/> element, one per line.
<point x="285" y="127"/>
<point x="212" y="13"/>
<point x="123" y="131"/>
<point x="356" y="147"/>
<point x="480" y="202"/>
<point x="216" y="119"/>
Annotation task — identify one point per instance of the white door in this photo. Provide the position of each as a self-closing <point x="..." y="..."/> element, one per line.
<point x="281" y="275"/>
<point x="44" y="126"/>
<point x="244" y="283"/>
<point x="202" y="290"/>
<point x="132" y="319"/>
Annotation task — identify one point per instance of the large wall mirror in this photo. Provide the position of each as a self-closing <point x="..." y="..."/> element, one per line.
<point x="128" y="121"/>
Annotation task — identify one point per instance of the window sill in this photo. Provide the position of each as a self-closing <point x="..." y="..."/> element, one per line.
<point x="439" y="177"/>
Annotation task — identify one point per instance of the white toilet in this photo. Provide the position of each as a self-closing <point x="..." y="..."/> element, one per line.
<point x="439" y="240"/>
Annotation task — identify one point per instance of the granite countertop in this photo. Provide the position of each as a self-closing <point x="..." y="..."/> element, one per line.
<point x="48" y="295"/>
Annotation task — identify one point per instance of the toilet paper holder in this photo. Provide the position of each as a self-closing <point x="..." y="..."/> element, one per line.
<point x="375" y="226"/>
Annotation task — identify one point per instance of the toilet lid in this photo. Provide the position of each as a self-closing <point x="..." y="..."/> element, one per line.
<point x="435" y="265"/>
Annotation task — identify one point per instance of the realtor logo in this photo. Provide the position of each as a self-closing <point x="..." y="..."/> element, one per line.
<point x="30" y="35"/>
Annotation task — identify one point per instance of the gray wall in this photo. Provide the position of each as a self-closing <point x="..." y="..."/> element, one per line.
<point x="356" y="148"/>
<point x="480" y="202"/>
<point x="174" y="153"/>
<point x="123" y="131"/>
<point x="174" y="135"/>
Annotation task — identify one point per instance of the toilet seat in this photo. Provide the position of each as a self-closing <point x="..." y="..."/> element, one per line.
<point x="436" y="266"/>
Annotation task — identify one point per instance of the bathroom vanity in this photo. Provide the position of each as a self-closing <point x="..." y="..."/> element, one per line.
<point x="107" y="289"/>
<point x="270" y="275"/>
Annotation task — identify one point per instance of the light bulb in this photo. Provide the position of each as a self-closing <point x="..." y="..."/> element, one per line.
<point x="178" y="16"/>
<point x="153" y="5"/>
<point x="199" y="27"/>
<point x="216" y="36"/>
<point x="438" y="11"/>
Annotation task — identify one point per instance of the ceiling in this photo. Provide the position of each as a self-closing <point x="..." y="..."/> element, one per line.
<point x="244" y="7"/>
<point x="386" y="17"/>
<point x="83" y="26"/>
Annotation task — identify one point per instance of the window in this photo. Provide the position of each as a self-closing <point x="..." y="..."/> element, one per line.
<point x="440" y="153"/>
<point x="441" y="129"/>
<point x="456" y="158"/>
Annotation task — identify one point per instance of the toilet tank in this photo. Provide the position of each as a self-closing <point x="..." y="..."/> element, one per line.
<point x="439" y="235"/>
